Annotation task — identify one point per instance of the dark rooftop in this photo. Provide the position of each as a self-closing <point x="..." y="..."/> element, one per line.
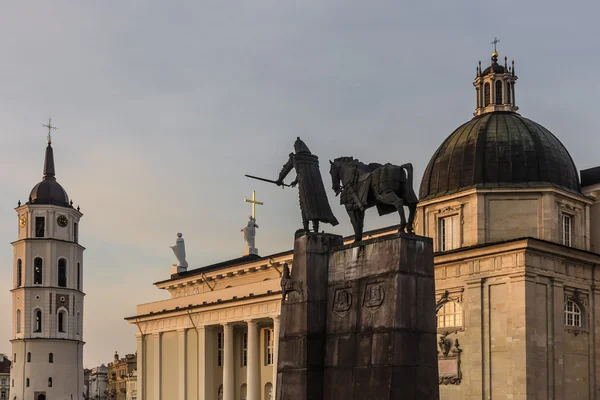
<point x="590" y="176"/>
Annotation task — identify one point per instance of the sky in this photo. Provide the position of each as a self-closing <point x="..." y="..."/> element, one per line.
<point x="162" y="107"/>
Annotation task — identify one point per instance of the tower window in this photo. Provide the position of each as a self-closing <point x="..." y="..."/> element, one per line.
<point x="220" y="349"/>
<point x="40" y="227"/>
<point x="27" y="382"/>
<point x="49" y="382"/>
<point x="572" y="314"/>
<point x="18" y="321"/>
<point x="38" y="321"/>
<point x="62" y="272"/>
<point x="78" y="276"/>
<point x="28" y="357"/>
<point x="498" y="92"/>
<point x="486" y="94"/>
<point x="38" y="268"/>
<point x="75" y="232"/>
<point x="508" y="101"/>
<point x="51" y="357"/>
<point x="449" y="233"/>
<point x="566" y="222"/>
<point x="78" y="323"/>
<point x="245" y="349"/>
<point x="19" y="273"/>
<point x="61" y="321"/>
<point x="268" y="346"/>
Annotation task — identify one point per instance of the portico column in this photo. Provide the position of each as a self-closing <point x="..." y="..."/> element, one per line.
<point x="181" y="359"/>
<point x="141" y="371"/>
<point x="157" y="367"/>
<point x="228" y="383"/>
<point x="253" y="367"/>
<point x="275" y="352"/>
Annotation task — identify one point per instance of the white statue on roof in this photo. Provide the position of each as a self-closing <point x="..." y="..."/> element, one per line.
<point x="250" y="235"/>
<point x="179" y="250"/>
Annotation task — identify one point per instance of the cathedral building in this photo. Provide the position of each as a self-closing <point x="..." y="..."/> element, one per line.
<point x="517" y="262"/>
<point x="47" y="294"/>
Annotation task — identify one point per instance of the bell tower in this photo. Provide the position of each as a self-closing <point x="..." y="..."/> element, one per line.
<point x="47" y="294"/>
<point x="495" y="86"/>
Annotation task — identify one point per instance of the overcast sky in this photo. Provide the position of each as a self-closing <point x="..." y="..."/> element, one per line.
<point x="163" y="106"/>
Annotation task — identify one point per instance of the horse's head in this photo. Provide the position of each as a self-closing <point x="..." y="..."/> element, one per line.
<point x="334" y="171"/>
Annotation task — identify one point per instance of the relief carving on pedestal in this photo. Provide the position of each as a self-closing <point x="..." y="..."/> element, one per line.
<point x="374" y="296"/>
<point x="342" y="301"/>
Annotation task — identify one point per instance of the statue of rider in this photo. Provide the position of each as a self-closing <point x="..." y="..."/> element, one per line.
<point x="314" y="204"/>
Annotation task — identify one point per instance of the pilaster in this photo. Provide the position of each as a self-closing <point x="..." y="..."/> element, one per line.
<point x="275" y="351"/>
<point x="182" y="360"/>
<point x="141" y="370"/>
<point x="473" y="359"/>
<point x="157" y="365"/>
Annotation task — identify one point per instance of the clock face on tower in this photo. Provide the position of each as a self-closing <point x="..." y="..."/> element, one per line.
<point x="62" y="221"/>
<point x="23" y="220"/>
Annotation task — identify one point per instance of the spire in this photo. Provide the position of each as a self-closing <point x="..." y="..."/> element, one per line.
<point x="49" y="164"/>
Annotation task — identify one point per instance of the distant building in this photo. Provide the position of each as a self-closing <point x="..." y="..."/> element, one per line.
<point x="119" y="374"/>
<point x="98" y="383"/>
<point x="131" y="383"/>
<point x="4" y="377"/>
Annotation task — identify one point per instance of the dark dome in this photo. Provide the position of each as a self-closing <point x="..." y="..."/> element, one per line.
<point x="499" y="149"/>
<point x="497" y="68"/>
<point x="49" y="192"/>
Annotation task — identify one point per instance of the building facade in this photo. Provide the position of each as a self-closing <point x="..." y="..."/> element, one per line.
<point x="4" y="377"/>
<point x="99" y="383"/>
<point x="47" y="294"/>
<point x="119" y="375"/>
<point x="517" y="266"/>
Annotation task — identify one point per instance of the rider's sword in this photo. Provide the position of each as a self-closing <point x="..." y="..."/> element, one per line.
<point x="267" y="180"/>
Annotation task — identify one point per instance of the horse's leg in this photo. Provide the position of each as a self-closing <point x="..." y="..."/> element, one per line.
<point x="305" y="225"/>
<point x="360" y="218"/>
<point x="412" y="210"/>
<point x="316" y="225"/>
<point x="393" y="199"/>
<point x="356" y="224"/>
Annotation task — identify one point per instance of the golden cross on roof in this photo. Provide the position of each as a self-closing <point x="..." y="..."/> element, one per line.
<point x="254" y="203"/>
<point x="50" y="127"/>
<point x="495" y="42"/>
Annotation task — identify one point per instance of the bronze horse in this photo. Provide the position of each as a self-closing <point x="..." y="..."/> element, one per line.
<point x="388" y="187"/>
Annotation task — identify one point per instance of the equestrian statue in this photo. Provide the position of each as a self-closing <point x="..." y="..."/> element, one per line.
<point x="388" y="187"/>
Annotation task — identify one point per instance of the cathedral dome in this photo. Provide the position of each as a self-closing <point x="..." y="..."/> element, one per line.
<point x="499" y="149"/>
<point x="49" y="191"/>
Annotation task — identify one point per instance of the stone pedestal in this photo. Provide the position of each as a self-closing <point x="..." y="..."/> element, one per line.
<point x="303" y="319"/>
<point x="362" y="323"/>
<point x="249" y="250"/>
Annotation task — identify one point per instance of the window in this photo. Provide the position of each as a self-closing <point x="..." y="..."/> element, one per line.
<point x="62" y="316"/>
<point x="15" y="358"/>
<point x="38" y="268"/>
<point x="3" y="393"/>
<point x="78" y="276"/>
<point x="78" y="323"/>
<point x="508" y="93"/>
<point x="220" y="349"/>
<point x="51" y="357"/>
<point x="566" y="229"/>
<point x="40" y="227"/>
<point x="27" y="382"/>
<point x="18" y="321"/>
<point x="245" y="349"/>
<point x="19" y="273"/>
<point x="449" y="315"/>
<point x="62" y="272"/>
<point x="572" y="314"/>
<point x="75" y="232"/>
<point x="449" y="233"/>
<point x="478" y="94"/>
<point x="486" y="94"/>
<point x="269" y="346"/>
<point x="28" y="357"/>
<point x="49" y="382"/>
<point x="498" y="92"/>
<point x="38" y="321"/>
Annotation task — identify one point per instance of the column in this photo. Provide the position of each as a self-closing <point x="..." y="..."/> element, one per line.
<point x="182" y="363"/>
<point x="141" y="378"/>
<point x="253" y="367"/>
<point x="275" y="352"/>
<point x="203" y="364"/>
<point x="228" y="378"/>
<point x="157" y="367"/>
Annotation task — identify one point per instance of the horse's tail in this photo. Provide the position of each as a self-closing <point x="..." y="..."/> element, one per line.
<point x="408" y="167"/>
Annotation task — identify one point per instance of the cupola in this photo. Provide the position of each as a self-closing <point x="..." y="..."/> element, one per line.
<point x="495" y="86"/>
